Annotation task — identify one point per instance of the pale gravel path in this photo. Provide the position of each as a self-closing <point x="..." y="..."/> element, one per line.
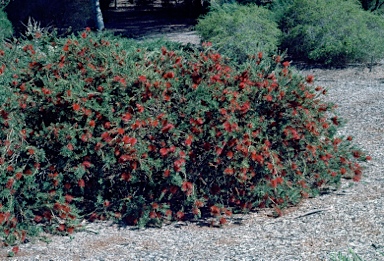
<point x="352" y="218"/>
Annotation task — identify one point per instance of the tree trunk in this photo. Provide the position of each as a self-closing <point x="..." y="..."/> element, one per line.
<point x="98" y="15"/>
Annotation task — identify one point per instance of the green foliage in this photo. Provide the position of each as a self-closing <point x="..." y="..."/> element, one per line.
<point x="95" y="127"/>
<point x="332" y="32"/>
<point x="5" y="26"/>
<point x="239" y="31"/>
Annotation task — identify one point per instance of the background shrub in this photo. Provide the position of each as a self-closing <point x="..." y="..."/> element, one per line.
<point x="6" y="29"/>
<point x="239" y="31"/>
<point x="95" y="127"/>
<point x="331" y="32"/>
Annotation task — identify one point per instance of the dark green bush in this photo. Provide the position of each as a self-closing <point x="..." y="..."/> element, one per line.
<point x="6" y="29"/>
<point x="332" y="32"/>
<point x="239" y="31"/>
<point x="94" y="128"/>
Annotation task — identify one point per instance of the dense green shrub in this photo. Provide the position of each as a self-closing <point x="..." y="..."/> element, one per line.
<point x="94" y="128"/>
<point x="332" y="31"/>
<point x="6" y="29"/>
<point x="239" y="31"/>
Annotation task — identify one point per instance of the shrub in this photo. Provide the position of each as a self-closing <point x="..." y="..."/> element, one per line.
<point x="239" y="31"/>
<point x="332" y="32"/>
<point x="92" y="128"/>
<point x="6" y="30"/>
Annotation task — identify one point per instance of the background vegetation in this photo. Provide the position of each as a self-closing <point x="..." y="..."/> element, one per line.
<point x="238" y="31"/>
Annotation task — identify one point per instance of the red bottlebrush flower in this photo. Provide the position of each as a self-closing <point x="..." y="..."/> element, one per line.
<point x="126" y="117"/>
<point x="227" y="212"/>
<point x="309" y="79"/>
<point x="83" y="35"/>
<point x="229" y="154"/>
<point x="125" y="177"/>
<point x="100" y="89"/>
<point x="343" y="171"/>
<point x="76" y="107"/>
<point x="31" y="151"/>
<point x="196" y="211"/>
<point x="120" y="131"/>
<point x="178" y="164"/>
<point x="169" y="75"/>
<point x="302" y="183"/>
<point x="268" y="97"/>
<point x="356" y="178"/>
<point x="368" y="158"/>
<point x="168" y="213"/>
<point x="46" y="91"/>
<point x="152" y="215"/>
<point x="18" y="176"/>
<point x="199" y="121"/>
<point x="274" y="183"/>
<point x="70" y="146"/>
<point x="65" y="48"/>
<point x="15" y="249"/>
<point x="215" y="211"/>
<point x="142" y="78"/>
<point x="199" y="204"/>
<point x="257" y="157"/>
<point x="9" y="183"/>
<point x="227" y="126"/>
<point x="81" y="183"/>
<point x="223" y="221"/>
<point x="286" y="64"/>
<point x="107" y="203"/>
<point x="70" y="230"/>
<point x="189" y="140"/>
<point x="125" y="158"/>
<point x="187" y="187"/>
<point x="260" y="55"/>
<point x="167" y="128"/>
<point x="129" y="140"/>
<point x="106" y="137"/>
<point x="336" y="141"/>
<point x="229" y="171"/>
<point x="163" y="151"/>
<point x="86" y="164"/>
<point x="180" y="215"/>
<point x="356" y="154"/>
<point x="166" y="173"/>
<point x="68" y="198"/>
<point x="349" y="138"/>
<point x="140" y="108"/>
<point x="61" y="227"/>
<point x="37" y="219"/>
<point x="155" y="206"/>
<point x="3" y="217"/>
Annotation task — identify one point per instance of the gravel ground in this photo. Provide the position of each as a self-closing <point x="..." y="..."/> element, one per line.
<point x="351" y="218"/>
